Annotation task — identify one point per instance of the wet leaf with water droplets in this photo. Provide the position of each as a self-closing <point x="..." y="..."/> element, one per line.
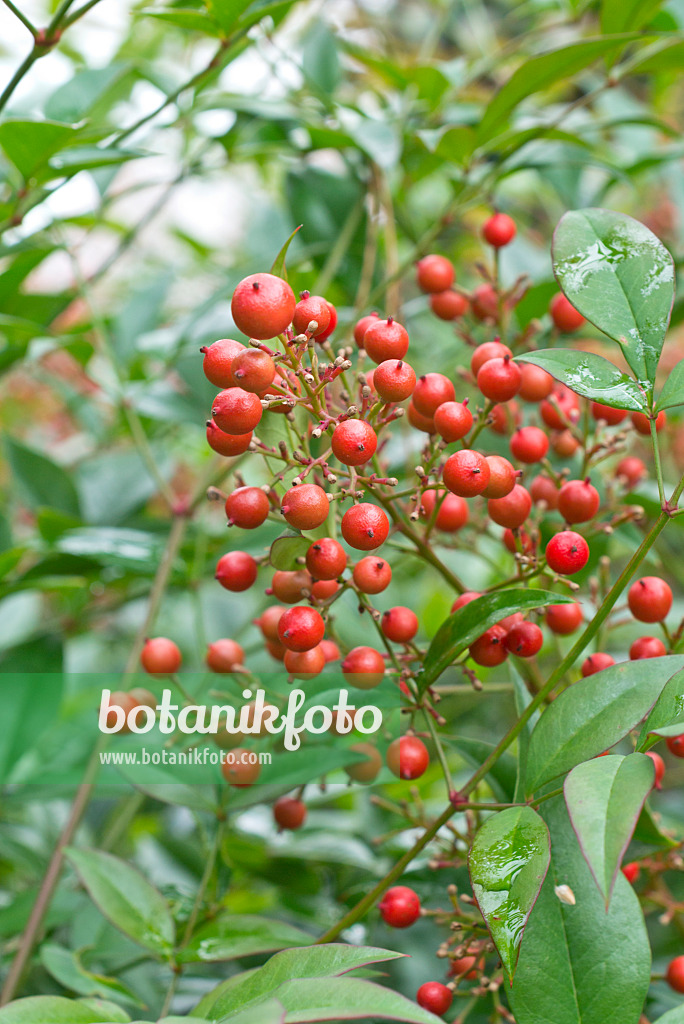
<point x="619" y="276"/>
<point x="508" y="863"/>
<point x="590" y="376"/>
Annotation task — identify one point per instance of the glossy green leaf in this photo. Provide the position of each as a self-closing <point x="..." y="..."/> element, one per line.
<point x="580" y="964"/>
<point x="672" y="393"/>
<point x="28" y="708"/>
<point x="666" y="717"/>
<point x="30" y="144"/>
<point x="126" y="898"/>
<point x="286" y="549"/>
<point x="604" y="798"/>
<point x="65" y="966"/>
<point x="318" y="999"/>
<point x="51" y="1010"/>
<point x="469" y="622"/>
<point x="541" y="72"/>
<point x="590" y="376"/>
<point x="270" y="1012"/>
<point x="41" y="481"/>
<point x="626" y="15"/>
<point x="593" y="714"/>
<point x="508" y="863"/>
<point x="327" y="961"/>
<point x="278" y="267"/>
<point x="190" y="20"/>
<point x="621" y="278"/>
<point x="228" y="12"/>
<point x="229" y="936"/>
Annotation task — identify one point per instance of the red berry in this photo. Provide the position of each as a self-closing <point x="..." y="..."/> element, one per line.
<point x="431" y="391"/>
<point x="631" y="871"/>
<point x="649" y="599"/>
<point x="435" y="997"/>
<point x="434" y="273"/>
<point x="452" y="513"/>
<point x="366" y="770"/>
<point x="420" y="422"/>
<point x="324" y="335"/>
<point x="675" y="744"/>
<point x="224" y="655"/>
<point x="305" y="664"/>
<point x="241" y="773"/>
<point x="372" y="575"/>
<point x="362" y="326"/>
<point x="578" y="501"/>
<point x="300" y="628"/>
<point x="631" y="470"/>
<point x="289" y="813"/>
<point x="503" y="418"/>
<point x="290" y="587"/>
<point x="511" y="510"/>
<point x="463" y="966"/>
<point x="400" y="907"/>
<point x="160" y="657"/>
<point x="394" y="380"/>
<point x="659" y="766"/>
<point x="326" y="559"/>
<point x="247" y="507"/>
<point x="502" y="477"/>
<point x="544" y="489"/>
<point x="564" y="443"/>
<point x="236" y="411"/>
<point x="453" y="420"/>
<point x="564" y="315"/>
<point x="536" y="384"/>
<point x="365" y="526"/>
<point x="227" y="444"/>
<point x="466" y="473"/>
<point x="263" y="306"/>
<point x="236" y="571"/>
<point x="308" y="309"/>
<point x="484" y="302"/>
<point x="407" y="757"/>
<point x="448" y="305"/>
<point x="253" y="370"/>
<point x="529" y="444"/>
<point x="642" y="423"/>
<point x="488" y="350"/>
<point x="675" y="974"/>
<point x="330" y="650"/>
<point x="305" y="506"/>
<point x="218" y="361"/>
<point x="464" y="599"/>
<point x="386" y="339"/>
<point x="519" y="541"/>
<point x="499" y="230"/>
<point x="524" y="639"/>
<point x="125" y="701"/>
<point x="322" y="590"/>
<point x="268" y="621"/>
<point x="567" y="552"/>
<point x="354" y="442"/>
<point x="609" y="415"/>
<point x="561" y="408"/>
<point x="490" y="649"/>
<point x="596" y="663"/>
<point x="364" y="668"/>
<point x="647" y="647"/>
<point x="399" y="624"/>
<point x="563" y="619"/>
<point x="499" y="379"/>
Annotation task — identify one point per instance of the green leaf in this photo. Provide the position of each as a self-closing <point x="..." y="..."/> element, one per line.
<point x="666" y="717"/>
<point x="539" y="73"/>
<point x="270" y="1012"/>
<point x="65" y="966"/>
<point x="580" y="964"/>
<point x="126" y="898"/>
<point x="590" y="376"/>
<point x="508" y="863"/>
<point x="278" y="267"/>
<point x="190" y="20"/>
<point x="593" y="714"/>
<point x="129" y="550"/>
<point x="675" y="1016"/>
<point x="286" y="549"/>
<point x="30" y="144"/>
<point x="229" y="936"/>
<point x="523" y="699"/>
<point x="502" y="775"/>
<point x="51" y="1010"/>
<point x="73" y="100"/>
<point x="42" y="482"/>
<point x="672" y="393"/>
<point x="319" y="58"/>
<point x="457" y="632"/>
<point x="27" y="706"/>
<point x="621" y="278"/>
<point x="626" y="15"/>
<point x="604" y="798"/>
<point x="327" y="961"/>
<point x="227" y="12"/>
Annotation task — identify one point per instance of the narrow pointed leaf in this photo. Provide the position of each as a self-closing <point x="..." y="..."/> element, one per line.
<point x="673" y="389"/>
<point x="508" y="863"/>
<point x="590" y="376"/>
<point x="593" y="714"/>
<point x="278" y="267"/>
<point x="621" y="278"/>
<point x="604" y="798"/>
<point x="230" y="936"/>
<point x="666" y="717"/>
<point x="468" y="623"/>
